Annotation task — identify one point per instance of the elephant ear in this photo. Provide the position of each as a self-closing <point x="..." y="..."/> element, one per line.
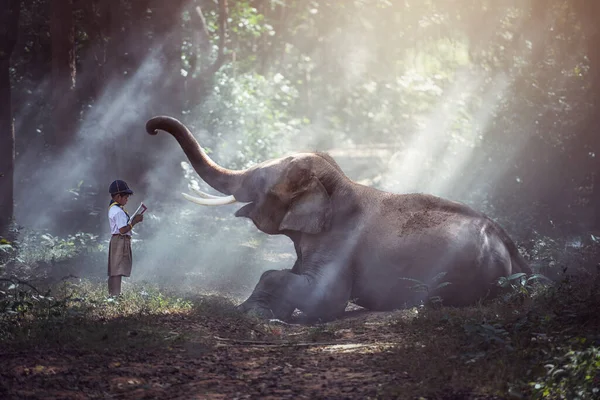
<point x="310" y="208"/>
<point x="266" y="221"/>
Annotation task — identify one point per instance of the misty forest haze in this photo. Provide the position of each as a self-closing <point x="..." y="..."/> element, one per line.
<point x="495" y="104"/>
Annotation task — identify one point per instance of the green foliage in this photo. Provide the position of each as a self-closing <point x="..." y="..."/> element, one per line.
<point x="20" y="298"/>
<point x="575" y="375"/>
<point x="487" y="333"/>
<point x="490" y="78"/>
<point x="521" y="285"/>
<point x="26" y="313"/>
<point x="251" y="112"/>
<point x="545" y="347"/>
<point x="246" y="22"/>
<point x="43" y="246"/>
<point x="7" y="251"/>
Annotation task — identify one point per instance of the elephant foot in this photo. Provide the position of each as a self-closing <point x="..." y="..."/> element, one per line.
<point x="265" y="312"/>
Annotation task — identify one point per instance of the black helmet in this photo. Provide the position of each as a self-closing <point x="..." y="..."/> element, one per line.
<point x="119" y="187"/>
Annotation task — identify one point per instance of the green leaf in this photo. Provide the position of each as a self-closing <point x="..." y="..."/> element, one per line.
<point x="518" y="275"/>
<point x="538" y="277"/>
<point x="443" y="284"/>
<point x="439" y="276"/>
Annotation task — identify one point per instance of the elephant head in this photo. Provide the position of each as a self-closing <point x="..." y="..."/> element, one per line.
<point x="286" y="195"/>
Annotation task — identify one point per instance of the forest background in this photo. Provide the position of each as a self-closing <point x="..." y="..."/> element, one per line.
<point x="495" y="103"/>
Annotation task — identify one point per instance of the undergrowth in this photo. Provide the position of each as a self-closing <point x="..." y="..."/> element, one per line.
<point x="80" y="313"/>
<point x="539" y="342"/>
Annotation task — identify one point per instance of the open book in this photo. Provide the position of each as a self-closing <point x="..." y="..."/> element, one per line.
<point x="140" y="210"/>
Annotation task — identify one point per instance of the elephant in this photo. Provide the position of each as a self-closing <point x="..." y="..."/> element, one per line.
<point x="354" y="243"/>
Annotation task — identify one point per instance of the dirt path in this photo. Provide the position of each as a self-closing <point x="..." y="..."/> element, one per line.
<point x="193" y="372"/>
<point x="308" y="363"/>
<point x="203" y="358"/>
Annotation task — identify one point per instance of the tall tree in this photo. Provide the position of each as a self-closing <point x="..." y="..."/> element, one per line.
<point x="9" y="17"/>
<point x="586" y="147"/>
<point x="168" y="38"/>
<point x="203" y="79"/>
<point x="63" y="70"/>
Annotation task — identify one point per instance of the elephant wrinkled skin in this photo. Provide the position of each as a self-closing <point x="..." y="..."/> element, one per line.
<point x="355" y="242"/>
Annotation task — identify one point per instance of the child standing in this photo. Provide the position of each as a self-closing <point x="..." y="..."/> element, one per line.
<point x="119" y="249"/>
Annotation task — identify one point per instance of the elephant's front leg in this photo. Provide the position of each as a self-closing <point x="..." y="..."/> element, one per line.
<point x="279" y="293"/>
<point x="269" y="299"/>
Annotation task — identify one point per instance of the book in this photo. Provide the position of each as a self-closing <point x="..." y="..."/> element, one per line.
<point x="140" y="210"/>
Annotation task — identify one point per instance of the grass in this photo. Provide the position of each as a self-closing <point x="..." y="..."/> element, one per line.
<point x="80" y="314"/>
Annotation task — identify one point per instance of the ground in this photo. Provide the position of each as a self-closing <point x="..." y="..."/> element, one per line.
<point x="200" y="357"/>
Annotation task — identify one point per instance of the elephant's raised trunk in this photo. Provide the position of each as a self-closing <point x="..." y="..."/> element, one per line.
<point x="224" y="180"/>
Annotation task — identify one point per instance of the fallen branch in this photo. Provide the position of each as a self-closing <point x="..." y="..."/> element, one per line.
<point x="259" y="343"/>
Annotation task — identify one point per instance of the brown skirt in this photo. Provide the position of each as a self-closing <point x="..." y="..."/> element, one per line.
<point x="119" y="256"/>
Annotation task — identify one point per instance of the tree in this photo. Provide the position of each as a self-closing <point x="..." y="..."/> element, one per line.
<point x="63" y="70"/>
<point x="202" y="75"/>
<point x="9" y="17"/>
<point x="588" y="143"/>
<point x="168" y="38"/>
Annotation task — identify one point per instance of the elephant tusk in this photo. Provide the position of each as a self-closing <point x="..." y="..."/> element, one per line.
<point x="206" y="195"/>
<point x="221" y="201"/>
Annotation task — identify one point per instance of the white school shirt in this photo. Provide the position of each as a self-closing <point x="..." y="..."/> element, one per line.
<point x="117" y="219"/>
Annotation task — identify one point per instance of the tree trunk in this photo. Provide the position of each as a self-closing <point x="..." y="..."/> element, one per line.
<point x="169" y="36"/>
<point x="93" y="59"/>
<point x="591" y="147"/>
<point x="203" y="83"/>
<point x="9" y="17"/>
<point x="114" y="68"/>
<point x="587" y="145"/>
<point x="63" y="71"/>
<point x="139" y="49"/>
